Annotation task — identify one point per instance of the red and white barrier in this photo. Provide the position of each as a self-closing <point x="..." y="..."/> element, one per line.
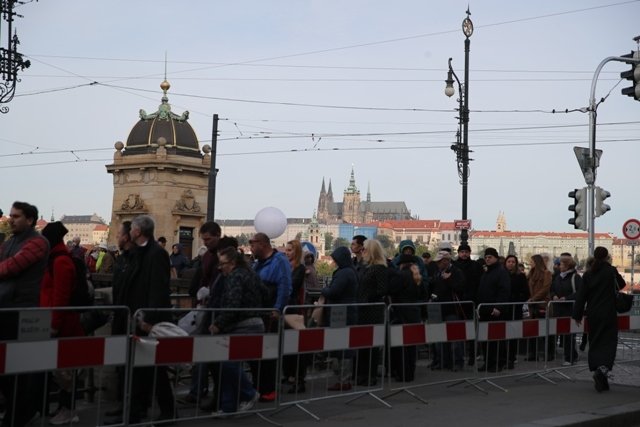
<point x="206" y="348"/>
<point x="64" y="353"/>
<point x="431" y="333"/>
<point x="329" y="339"/>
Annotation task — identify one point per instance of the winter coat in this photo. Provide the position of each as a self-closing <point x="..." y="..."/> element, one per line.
<point x="344" y="283"/>
<point x="565" y="287"/>
<point x="495" y="286"/>
<point x="403" y="289"/>
<point x="242" y="289"/>
<point x="519" y="293"/>
<point x="448" y="290"/>
<point x="146" y="284"/>
<point x="539" y="290"/>
<point x="472" y="271"/>
<point x="373" y="287"/>
<point x="275" y="273"/>
<point x="55" y="291"/>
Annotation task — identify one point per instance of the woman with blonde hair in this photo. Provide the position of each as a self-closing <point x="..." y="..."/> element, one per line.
<point x="539" y="280"/>
<point x="371" y="289"/>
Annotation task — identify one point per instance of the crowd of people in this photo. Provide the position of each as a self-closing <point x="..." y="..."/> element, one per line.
<point x="37" y="269"/>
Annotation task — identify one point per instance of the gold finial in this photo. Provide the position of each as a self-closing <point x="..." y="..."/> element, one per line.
<point x="165" y="86"/>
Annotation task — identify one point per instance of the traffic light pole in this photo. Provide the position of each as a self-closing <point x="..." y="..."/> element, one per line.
<point x="590" y="178"/>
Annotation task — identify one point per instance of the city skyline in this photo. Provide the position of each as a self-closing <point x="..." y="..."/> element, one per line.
<point x="306" y="89"/>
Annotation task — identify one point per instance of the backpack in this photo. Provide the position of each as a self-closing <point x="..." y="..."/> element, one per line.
<point x="82" y="294"/>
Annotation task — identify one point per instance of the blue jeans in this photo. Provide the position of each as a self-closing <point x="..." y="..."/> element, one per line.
<point x="235" y="386"/>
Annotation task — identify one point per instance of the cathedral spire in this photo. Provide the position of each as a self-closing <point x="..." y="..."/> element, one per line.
<point x="330" y="191"/>
<point x="322" y="190"/>
<point x="352" y="183"/>
<point x="369" y="191"/>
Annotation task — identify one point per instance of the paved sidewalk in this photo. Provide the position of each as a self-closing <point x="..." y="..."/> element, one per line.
<point x="528" y="402"/>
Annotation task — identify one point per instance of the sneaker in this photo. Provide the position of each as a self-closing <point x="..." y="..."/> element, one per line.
<point x="566" y="363"/>
<point x="246" y="406"/>
<point x="268" y="397"/>
<point x="64" y="416"/>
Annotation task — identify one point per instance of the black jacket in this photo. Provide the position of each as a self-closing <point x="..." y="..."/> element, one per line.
<point x="495" y="286"/>
<point x="472" y="271"/>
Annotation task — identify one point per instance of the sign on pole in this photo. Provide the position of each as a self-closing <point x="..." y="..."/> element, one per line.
<point x="631" y="229"/>
<point x="462" y="224"/>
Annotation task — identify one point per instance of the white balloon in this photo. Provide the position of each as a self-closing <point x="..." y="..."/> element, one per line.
<point x="270" y="221"/>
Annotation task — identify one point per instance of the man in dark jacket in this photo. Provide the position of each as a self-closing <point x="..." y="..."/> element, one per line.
<point x="146" y="285"/>
<point x="495" y="287"/>
<point x="472" y="271"/>
<point x="446" y="286"/>
<point x="23" y="259"/>
<point x="343" y="290"/>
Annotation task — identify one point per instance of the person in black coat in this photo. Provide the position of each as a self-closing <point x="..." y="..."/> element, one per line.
<point x="519" y="294"/>
<point x="146" y="285"/>
<point x="564" y="288"/>
<point x="343" y="289"/>
<point x="600" y="284"/>
<point x="405" y="286"/>
<point x="495" y="287"/>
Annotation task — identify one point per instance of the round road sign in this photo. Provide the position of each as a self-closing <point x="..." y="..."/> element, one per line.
<point x="631" y="229"/>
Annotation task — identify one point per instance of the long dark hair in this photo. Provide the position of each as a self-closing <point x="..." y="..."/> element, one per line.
<point x="517" y="270"/>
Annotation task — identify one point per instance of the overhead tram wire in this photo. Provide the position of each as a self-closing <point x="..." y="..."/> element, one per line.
<point x="329" y="149"/>
<point x="399" y="39"/>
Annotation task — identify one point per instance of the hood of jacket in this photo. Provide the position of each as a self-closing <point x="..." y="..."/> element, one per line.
<point x="407" y="244"/>
<point x="342" y="257"/>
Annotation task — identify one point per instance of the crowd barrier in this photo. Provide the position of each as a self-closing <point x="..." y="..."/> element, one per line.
<point x="354" y="351"/>
<point x="39" y="371"/>
<point x="334" y="352"/>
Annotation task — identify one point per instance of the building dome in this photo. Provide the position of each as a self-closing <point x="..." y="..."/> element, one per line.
<point x="173" y="131"/>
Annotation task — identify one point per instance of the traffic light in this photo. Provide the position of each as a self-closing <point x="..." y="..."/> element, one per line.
<point x="601" y="195"/>
<point x="633" y="75"/>
<point x="579" y="208"/>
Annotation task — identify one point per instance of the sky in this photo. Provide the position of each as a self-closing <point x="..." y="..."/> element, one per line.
<point x="306" y="89"/>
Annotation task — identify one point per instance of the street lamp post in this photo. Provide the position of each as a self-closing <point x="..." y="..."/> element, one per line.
<point x="461" y="147"/>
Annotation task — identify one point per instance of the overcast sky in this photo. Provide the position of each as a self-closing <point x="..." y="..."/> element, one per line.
<point x="305" y="89"/>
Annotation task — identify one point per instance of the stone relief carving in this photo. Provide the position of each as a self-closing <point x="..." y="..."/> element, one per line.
<point x="133" y="202"/>
<point x="187" y="203"/>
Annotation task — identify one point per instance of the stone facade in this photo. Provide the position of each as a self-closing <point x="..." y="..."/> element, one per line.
<point x="162" y="179"/>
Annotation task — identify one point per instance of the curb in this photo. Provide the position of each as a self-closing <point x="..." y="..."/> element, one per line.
<point x="618" y="416"/>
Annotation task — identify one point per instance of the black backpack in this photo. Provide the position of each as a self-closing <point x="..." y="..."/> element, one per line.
<point x="82" y="291"/>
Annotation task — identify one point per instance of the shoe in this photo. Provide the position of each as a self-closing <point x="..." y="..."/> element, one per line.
<point x="64" y="416"/>
<point x="246" y="406"/>
<point x="567" y="363"/>
<point x="367" y="382"/>
<point x="268" y="397"/>
<point x="117" y="412"/>
<point x="208" y="406"/>
<point x="340" y="387"/>
<point x="166" y="419"/>
<point x="189" y="399"/>
<point x="297" y="388"/>
<point x="600" y="379"/>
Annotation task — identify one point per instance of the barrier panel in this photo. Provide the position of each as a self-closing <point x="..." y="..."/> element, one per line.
<point x="39" y="370"/>
<point x="444" y="330"/>
<point x="336" y="356"/>
<point x="240" y="362"/>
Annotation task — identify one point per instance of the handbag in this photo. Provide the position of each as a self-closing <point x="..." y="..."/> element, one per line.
<point x="624" y="301"/>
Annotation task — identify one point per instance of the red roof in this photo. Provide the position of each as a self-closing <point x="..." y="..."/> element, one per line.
<point x="480" y="233"/>
<point x="101" y="227"/>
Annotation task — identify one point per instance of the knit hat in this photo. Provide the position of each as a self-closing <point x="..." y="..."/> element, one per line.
<point x="464" y="247"/>
<point x="492" y="252"/>
<point x="54" y="232"/>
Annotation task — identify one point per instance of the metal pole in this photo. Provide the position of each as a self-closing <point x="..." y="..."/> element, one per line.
<point x="633" y="261"/>
<point x="464" y="235"/>
<point x="213" y="172"/>
<point x="590" y="178"/>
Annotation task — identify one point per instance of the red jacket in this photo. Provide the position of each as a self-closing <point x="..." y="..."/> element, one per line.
<point x="55" y="291"/>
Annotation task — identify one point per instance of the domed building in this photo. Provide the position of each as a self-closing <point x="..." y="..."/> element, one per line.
<point x="161" y="171"/>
